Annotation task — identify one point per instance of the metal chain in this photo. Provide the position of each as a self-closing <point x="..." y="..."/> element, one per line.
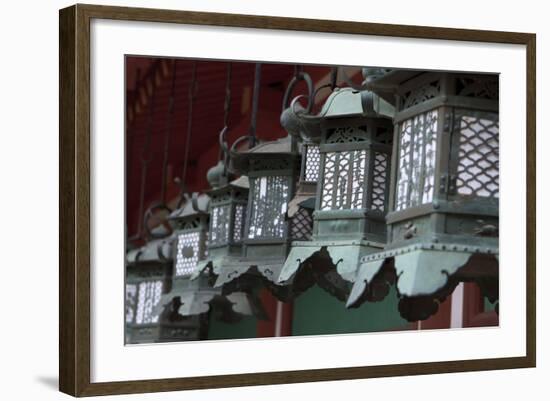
<point x="191" y="95"/>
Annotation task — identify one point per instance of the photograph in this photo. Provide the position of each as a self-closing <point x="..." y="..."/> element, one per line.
<point x="268" y="199"/>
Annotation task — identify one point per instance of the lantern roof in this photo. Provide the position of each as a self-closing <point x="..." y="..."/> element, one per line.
<point x="195" y="205"/>
<point x="282" y="148"/>
<point x="424" y="276"/>
<point x="241" y="183"/>
<point x="389" y="81"/>
<point x="342" y="103"/>
<point x="198" y="299"/>
<point x="159" y="250"/>
<point x="281" y="145"/>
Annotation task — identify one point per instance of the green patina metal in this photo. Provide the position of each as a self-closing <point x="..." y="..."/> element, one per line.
<point x="227" y="219"/>
<point x="444" y="186"/>
<point x="148" y="279"/>
<point x="354" y="147"/>
<point x="192" y="292"/>
<point x="271" y="168"/>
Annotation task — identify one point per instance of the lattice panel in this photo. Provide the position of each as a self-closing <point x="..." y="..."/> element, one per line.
<point x="478" y="157"/>
<point x="417" y="151"/>
<point x="347" y="135"/>
<point x="130" y="304"/>
<point x="313" y="161"/>
<point x="269" y="202"/>
<point x="148" y="297"/>
<point x="380" y="168"/>
<point x="187" y="253"/>
<point x="220" y="218"/>
<point x="344" y="180"/>
<point x="238" y="223"/>
<point x="301" y="225"/>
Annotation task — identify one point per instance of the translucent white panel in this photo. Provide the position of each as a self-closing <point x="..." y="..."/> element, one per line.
<point x="478" y="157"/>
<point x="404" y="170"/>
<point x="359" y="158"/>
<point x="130" y="304"/>
<point x="219" y="224"/>
<point x="148" y="297"/>
<point x="429" y="157"/>
<point x="269" y="199"/>
<point x="344" y="180"/>
<point x="313" y="160"/>
<point x="187" y="253"/>
<point x="328" y="180"/>
<point x="238" y="223"/>
<point x="417" y="148"/>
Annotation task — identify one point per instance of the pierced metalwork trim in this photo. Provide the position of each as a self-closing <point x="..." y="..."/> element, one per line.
<point x="313" y="162"/>
<point x="415" y="176"/>
<point x="268" y="206"/>
<point x="301" y="225"/>
<point x="187" y="253"/>
<point x="420" y="95"/>
<point x="149" y="294"/>
<point x="478" y="87"/>
<point x="344" y="180"/>
<point x="270" y="164"/>
<point x="347" y="135"/>
<point x="478" y="161"/>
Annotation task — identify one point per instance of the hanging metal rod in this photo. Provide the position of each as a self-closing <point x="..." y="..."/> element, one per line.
<point x="255" y="101"/>
<point x="191" y="94"/>
<point x="168" y="134"/>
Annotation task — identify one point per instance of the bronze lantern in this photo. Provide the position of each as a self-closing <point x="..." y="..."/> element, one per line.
<point x="354" y="150"/>
<point x="148" y="272"/>
<point x="444" y="197"/>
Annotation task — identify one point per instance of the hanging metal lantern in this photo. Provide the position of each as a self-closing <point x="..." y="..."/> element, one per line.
<point x="443" y="218"/>
<point x="355" y="147"/>
<point x="192" y="293"/>
<point x="148" y="278"/>
<point x="227" y="217"/>
<point x="271" y="168"/>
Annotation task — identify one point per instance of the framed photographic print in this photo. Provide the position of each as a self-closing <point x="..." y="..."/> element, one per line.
<point x="250" y="200"/>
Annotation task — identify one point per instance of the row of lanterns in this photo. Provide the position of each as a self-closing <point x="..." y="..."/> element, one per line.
<point x="394" y="183"/>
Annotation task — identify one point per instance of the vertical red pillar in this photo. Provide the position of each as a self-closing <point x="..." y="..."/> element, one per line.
<point x="279" y="314"/>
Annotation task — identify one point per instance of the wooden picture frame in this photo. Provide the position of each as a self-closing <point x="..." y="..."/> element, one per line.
<point x="75" y="207"/>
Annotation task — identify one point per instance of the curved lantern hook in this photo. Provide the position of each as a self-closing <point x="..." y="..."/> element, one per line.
<point x="224" y="147"/>
<point x="320" y="88"/>
<point x="150" y="213"/>
<point x="301" y="76"/>
<point x="233" y="149"/>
